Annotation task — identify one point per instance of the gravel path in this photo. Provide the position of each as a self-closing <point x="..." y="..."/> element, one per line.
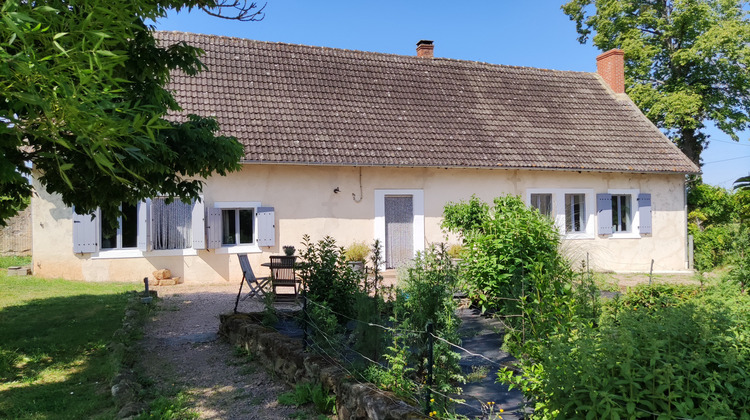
<point x="182" y="350"/>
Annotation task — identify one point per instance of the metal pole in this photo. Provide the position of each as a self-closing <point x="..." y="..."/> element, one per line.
<point x="304" y="319"/>
<point x="430" y="358"/>
<point x="651" y="273"/>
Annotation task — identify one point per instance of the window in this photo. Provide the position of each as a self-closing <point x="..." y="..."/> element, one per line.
<point x="240" y="226"/>
<point x="237" y="226"/>
<point x="620" y="216"/>
<point x="125" y="234"/>
<point x="621" y="213"/>
<point x="575" y="213"/>
<point x="543" y="203"/>
<point x="171" y="224"/>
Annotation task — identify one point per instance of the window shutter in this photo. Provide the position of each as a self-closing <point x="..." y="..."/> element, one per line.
<point x="213" y="228"/>
<point x="85" y="233"/>
<point x="644" y="213"/>
<point x="604" y="213"/>
<point x="199" y="226"/>
<point x="266" y="219"/>
<point x="144" y="231"/>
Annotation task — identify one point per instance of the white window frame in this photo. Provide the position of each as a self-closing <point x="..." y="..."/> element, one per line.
<point x="417" y="209"/>
<point x="118" y="232"/>
<point x="558" y="209"/>
<point x="139" y="253"/>
<point x="241" y="248"/>
<point x="634" y="232"/>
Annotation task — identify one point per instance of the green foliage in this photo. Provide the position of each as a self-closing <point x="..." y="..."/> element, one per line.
<point x="306" y="393"/>
<point x="12" y="261"/>
<point x="740" y="272"/>
<point x="270" y="317"/>
<point x="397" y="377"/>
<point x="54" y="359"/>
<point x="742" y="183"/>
<point x="84" y="99"/>
<point x="709" y="205"/>
<point x="657" y="296"/>
<point x="714" y="221"/>
<point x="327" y="333"/>
<point x="327" y="276"/>
<point x="369" y="339"/>
<point x="660" y="352"/>
<point x="511" y="251"/>
<point x="357" y="251"/>
<point x="685" y="61"/>
<point x="170" y="408"/>
<point x="425" y="296"/>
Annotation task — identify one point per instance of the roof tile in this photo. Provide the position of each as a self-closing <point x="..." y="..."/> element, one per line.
<point x="316" y="105"/>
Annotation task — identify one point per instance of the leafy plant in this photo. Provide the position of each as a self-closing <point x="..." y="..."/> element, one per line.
<point x="455" y="251"/>
<point x="655" y="354"/>
<point x="513" y="265"/>
<point x="357" y="251"/>
<point x="329" y="280"/>
<point x="306" y="393"/>
<point x="425" y="296"/>
<point x="270" y="318"/>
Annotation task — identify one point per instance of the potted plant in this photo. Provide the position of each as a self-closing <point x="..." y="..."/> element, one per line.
<point x="356" y="254"/>
<point x="288" y="250"/>
<point x="455" y="252"/>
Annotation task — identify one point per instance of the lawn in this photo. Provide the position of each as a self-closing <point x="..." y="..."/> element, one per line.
<point x="53" y="337"/>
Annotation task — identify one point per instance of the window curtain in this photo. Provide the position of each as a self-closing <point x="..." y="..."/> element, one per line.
<point x="172" y="224"/>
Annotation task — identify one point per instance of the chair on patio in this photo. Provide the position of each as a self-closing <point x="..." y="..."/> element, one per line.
<point x="255" y="284"/>
<point x="283" y="275"/>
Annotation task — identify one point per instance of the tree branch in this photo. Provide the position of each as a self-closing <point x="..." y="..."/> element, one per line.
<point x="236" y="10"/>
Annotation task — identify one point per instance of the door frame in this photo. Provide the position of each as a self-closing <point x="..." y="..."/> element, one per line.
<point x="417" y="197"/>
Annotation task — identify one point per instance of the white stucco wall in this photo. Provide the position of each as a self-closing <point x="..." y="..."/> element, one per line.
<point x="305" y="203"/>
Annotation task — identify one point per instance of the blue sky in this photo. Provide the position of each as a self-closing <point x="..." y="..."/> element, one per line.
<point x="515" y="32"/>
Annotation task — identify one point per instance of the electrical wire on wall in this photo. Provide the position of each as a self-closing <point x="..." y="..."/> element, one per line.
<point x="354" y="196"/>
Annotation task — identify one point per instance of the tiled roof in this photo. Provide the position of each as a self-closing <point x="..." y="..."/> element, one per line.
<point x="312" y="105"/>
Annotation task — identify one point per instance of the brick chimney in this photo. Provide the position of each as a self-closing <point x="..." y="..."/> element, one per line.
<point x="611" y="67"/>
<point x="425" y="49"/>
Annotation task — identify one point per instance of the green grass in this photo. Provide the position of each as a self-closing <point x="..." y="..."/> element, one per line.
<point x="53" y="358"/>
<point x="6" y="262"/>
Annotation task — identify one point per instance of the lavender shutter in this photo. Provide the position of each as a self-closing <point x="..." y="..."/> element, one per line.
<point x="604" y="213"/>
<point x="213" y="228"/>
<point x="85" y="233"/>
<point x="644" y="213"/>
<point x="144" y="233"/>
<point x="266" y="219"/>
<point x="198" y="222"/>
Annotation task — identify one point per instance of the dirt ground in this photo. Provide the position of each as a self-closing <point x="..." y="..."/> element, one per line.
<point x="182" y="351"/>
<point x="622" y="281"/>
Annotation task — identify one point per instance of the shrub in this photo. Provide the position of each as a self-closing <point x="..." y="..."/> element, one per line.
<point x="424" y="297"/>
<point x="328" y="279"/>
<point x="504" y="245"/>
<point x="686" y="356"/>
<point x="512" y="265"/>
<point x="357" y="251"/>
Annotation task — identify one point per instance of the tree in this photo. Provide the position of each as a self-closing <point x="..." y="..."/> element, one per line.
<point x="686" y="61"/>
<point x="83" y="98"/>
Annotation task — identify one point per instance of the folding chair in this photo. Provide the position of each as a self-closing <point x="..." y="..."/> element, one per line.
<point x="255" y="284"/>
<point x="283" y="275"/>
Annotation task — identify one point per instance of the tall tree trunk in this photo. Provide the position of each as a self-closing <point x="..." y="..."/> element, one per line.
<point x="690" y="145"/>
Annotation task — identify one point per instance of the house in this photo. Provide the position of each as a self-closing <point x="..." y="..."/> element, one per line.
<point x="361" y="145"/>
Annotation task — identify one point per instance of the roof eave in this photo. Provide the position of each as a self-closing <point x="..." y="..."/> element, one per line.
<point x="503" y="167"/>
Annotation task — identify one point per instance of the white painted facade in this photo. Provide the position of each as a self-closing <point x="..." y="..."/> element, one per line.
<point x="304" y="201"/>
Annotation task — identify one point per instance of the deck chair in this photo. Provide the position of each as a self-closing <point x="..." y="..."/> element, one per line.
<point x="283" y="275"/>
<point x="255" y="284"/>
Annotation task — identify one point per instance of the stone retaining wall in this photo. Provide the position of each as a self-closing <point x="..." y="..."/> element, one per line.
<point x="286" y="358"/>
<point x="15" y="237"/>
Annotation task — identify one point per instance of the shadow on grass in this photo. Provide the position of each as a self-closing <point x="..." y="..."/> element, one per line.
<point x="54" y="361"/>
